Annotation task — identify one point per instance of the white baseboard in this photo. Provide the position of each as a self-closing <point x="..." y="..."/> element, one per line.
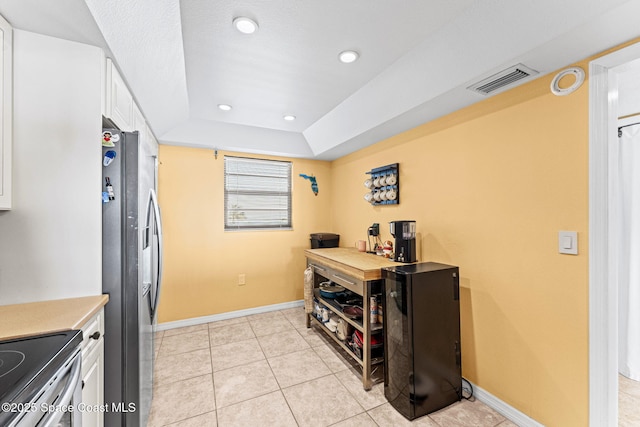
<point x="229" y="315"/>
<point x="515" y="416"/>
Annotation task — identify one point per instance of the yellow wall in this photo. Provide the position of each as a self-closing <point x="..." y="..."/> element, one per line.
<point x="490" y="187"/>
<point x="202" y="261"/>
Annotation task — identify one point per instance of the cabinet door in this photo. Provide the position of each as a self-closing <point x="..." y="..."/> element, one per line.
<point x="5" y="113"/>
<point x="120" y="103"/>
<point x="139" y="122"/>
<point x="140" y="125"/>
<point x="153" y="142"/>
<point x="93" y="371"/>
<point x="93" y="386"/>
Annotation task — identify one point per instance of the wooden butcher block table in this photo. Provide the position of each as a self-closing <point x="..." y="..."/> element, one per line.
<point x="361" y="273"/>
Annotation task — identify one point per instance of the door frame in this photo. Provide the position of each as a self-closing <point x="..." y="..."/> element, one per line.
<point x="603" y="287"/>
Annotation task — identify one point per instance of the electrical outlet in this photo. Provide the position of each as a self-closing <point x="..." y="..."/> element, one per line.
<point x="242" y="279"/>
<point x="374" y="230"/>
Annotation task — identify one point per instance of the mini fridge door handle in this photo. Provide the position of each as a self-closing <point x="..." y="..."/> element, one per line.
<point x="456" y="287"/>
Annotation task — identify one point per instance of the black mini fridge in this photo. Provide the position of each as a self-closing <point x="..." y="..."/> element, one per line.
<point x="422" y="357"/>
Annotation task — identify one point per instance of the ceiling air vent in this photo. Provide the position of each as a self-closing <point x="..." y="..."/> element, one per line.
<point x="502" y="80"/>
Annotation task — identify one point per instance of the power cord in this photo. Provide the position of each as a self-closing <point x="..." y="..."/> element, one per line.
<point x="374" y="231"/>
<point x="468" y="388"/>
<point x="377" y="243"/>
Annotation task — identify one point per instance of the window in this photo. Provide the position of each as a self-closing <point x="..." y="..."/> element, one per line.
<point x="257" y="194"/>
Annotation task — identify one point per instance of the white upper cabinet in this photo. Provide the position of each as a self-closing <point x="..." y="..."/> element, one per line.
<point x="6" y="108"/>
<point x="122" y="110"/>
<point x="119" y="102"/>
<point x="139" y="123"/>
<point x="153" y="142"/>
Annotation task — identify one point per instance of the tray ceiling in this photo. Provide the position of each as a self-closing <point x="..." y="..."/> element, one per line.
<point x="183" y="59"/>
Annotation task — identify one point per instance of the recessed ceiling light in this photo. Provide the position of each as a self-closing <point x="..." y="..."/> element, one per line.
<point x="224" y="107"/>
<point x="245" y="25"/>
<point x="348" y="56"/>
<point x="289" y="117"/>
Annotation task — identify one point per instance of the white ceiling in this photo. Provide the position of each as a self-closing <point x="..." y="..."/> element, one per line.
<point x="183" y="58"/>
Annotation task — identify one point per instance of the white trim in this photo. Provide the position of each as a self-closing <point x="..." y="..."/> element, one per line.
<point x="600" y="326"/>
<point x="6" y="113"/>
<point x="229" y="315"/>
<point x="517" y="417"/>
<point x="603" y="291"/>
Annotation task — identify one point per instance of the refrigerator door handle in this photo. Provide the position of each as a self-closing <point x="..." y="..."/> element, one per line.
<point x="154" y="209"/>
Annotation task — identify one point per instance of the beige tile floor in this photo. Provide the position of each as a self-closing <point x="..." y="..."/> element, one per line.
<point x="270" y="370"/>
<point x="628" y="402"/>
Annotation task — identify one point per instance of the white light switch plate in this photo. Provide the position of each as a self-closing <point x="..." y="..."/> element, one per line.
<point x="568" y="242"/>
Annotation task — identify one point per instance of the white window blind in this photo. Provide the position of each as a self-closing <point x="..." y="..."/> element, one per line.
<point x="257" y="194"/>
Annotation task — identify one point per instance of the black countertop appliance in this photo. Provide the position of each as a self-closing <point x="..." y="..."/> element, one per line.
<point x="423" y="371"/>
<point x="324" y="240"/>
<point x="405" y="245"/>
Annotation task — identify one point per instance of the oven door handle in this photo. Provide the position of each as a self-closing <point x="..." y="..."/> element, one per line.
<point x="67" y="393"/>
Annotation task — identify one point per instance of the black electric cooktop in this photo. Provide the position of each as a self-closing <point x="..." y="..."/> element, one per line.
<point x="26" y="364"/>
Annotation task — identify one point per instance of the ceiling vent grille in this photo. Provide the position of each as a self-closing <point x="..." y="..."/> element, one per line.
<point x="502" y="80"/>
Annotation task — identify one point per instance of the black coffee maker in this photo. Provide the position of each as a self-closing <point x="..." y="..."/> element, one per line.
<point x="405" y="246"/>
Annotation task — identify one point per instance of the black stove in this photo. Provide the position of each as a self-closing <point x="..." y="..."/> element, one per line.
<point x="27" y="364"/>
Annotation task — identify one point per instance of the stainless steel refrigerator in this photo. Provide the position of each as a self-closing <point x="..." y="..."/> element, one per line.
<point x="131" y="275"/>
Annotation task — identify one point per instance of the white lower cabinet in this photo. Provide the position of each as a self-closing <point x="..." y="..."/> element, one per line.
<point x="93" y="372"/>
